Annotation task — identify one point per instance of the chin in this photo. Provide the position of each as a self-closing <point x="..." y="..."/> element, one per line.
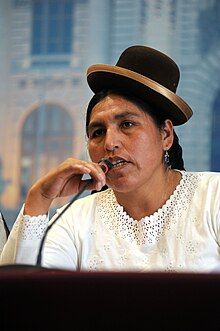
<point x="121" y="186"/>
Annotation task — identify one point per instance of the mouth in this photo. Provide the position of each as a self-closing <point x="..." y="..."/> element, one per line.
<point x="118" y="162"/>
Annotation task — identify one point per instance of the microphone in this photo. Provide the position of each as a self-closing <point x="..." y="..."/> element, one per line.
<point x="106" y="165"/>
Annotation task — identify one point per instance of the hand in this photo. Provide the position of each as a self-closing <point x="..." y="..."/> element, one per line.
<point x="62" y="181"/>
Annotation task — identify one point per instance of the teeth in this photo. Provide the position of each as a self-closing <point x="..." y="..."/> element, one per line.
<point x="118" y="163"/>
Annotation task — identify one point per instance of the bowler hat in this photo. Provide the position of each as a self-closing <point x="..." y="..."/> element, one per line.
<point x="147" y="74"/>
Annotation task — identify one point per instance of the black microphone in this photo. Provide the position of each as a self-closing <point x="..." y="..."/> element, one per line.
<point x="106" y="165"/>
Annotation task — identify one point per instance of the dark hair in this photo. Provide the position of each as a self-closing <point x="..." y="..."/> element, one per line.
<point x="175" y="152"/>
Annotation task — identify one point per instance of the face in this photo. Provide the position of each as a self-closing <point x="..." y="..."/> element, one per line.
<point x="122" y="132"/>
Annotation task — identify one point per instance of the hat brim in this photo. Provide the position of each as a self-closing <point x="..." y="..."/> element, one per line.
<point x="170" y="105"/>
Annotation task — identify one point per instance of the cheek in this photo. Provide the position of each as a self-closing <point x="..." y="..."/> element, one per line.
<point x="147" y="148"/>
<point x="94" y="152"/>
<point x="141" y="142"/>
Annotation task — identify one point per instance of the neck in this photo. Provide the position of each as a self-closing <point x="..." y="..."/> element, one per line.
<point x="148" y="198"/>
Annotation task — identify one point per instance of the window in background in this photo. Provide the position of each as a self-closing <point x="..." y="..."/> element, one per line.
<point x="47" y="138"/>
<point x="52" y="32"/>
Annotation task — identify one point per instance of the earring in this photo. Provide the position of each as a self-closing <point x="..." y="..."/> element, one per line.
<point x="167" y="159"/>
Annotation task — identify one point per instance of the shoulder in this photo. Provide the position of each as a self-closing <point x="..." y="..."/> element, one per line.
<point x="205" y="181"/>
<point x="207" y="177"/>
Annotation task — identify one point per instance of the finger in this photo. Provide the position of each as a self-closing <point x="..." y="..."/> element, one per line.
<point x="97" y="175"/>
<point x="72" y="171"/>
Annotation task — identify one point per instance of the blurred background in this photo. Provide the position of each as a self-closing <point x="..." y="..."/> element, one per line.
<point x="45" y="49"/>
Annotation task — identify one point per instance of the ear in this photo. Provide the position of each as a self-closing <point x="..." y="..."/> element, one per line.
<point x="167" y="135"/>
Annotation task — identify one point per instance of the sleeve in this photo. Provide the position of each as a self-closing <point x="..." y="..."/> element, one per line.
<point x="60" y="248"/>
<point x="23" y="242"/>
<point x="217" y="217"/>
<point x="212" y="205"/>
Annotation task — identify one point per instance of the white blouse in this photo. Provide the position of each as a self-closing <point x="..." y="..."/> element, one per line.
<point x="96" y="234"/>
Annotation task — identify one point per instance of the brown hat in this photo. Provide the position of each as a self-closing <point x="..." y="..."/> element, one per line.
<point x="147" y="74"/>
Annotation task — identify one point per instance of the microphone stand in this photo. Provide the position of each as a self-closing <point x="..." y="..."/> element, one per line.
<point x="39" y="256"/>
<point x="106" y="165"/>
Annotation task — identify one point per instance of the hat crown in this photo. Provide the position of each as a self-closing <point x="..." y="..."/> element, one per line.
<point x="152" y="64"/>
<point x="149" y="75"/>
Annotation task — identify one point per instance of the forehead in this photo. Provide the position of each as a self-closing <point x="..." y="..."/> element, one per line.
<point x="112" y="105"/>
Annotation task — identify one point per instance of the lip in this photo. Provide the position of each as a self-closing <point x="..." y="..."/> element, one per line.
<point x="118" y="162"/>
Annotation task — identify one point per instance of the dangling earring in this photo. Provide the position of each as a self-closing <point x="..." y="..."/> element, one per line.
<point x="167" y="159"/>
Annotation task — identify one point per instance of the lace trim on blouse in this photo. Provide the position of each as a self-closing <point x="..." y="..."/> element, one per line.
<point x="150" y="228"/>
<point x="31" y="227"/>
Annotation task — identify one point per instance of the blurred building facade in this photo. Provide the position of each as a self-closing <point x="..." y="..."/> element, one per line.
<point x="46" y="46"/>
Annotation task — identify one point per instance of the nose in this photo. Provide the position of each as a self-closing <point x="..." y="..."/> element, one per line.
<point x="112" y="140"/>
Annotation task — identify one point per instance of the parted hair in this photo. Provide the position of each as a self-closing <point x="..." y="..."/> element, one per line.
<point x="175" y="152"/>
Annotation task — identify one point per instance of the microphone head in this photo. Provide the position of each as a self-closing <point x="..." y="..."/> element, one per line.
<point x="106" y="165"/>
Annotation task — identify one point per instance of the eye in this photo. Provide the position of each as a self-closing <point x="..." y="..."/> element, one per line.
<point x="127" y="124"/>
<point x="97" y="133"/>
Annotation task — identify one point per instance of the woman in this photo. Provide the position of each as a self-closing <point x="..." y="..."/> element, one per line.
<point x="153" y="215"/>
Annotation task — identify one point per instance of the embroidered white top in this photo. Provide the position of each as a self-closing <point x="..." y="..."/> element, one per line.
<point x="95" y="233"/>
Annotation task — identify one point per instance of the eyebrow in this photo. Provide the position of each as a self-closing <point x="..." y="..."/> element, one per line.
<point x="129" y="114"/>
